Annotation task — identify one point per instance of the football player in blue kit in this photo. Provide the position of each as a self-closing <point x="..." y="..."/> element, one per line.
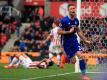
<point x="69" y="29"/>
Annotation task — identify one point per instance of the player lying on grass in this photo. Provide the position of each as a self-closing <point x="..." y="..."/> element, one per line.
<point x="26" y="62"/>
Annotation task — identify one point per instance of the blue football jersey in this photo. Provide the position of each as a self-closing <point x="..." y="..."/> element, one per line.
<point x="66" y="24"/>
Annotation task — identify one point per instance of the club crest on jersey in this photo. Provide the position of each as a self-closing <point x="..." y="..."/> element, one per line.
<point x="75" y="22"/>
<point x="69" y="23"/>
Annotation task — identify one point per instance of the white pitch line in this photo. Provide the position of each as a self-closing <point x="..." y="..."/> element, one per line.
<point x="58" y="75"/>
<point x="96" y="72"/>
<point x="51" y="76"/>
<point x="48" y="76"/>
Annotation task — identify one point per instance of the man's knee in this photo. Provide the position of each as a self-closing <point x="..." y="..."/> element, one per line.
<point x="79" y="55"/>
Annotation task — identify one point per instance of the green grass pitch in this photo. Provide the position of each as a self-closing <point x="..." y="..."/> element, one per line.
<point x="53" y="73"/>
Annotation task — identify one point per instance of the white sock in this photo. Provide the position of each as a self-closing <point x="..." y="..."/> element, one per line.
<point x="58" y="58"/>
<point x="50" y="55"/>
<point x="13" y="61"/>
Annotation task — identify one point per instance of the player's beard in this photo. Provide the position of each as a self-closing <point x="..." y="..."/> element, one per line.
<point x="72" y="14"/>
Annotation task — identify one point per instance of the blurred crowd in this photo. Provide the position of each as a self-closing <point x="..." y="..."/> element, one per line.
<point x="7" y="27"/>
<point x="32" y="13"/>
<point x="31" y="38"/>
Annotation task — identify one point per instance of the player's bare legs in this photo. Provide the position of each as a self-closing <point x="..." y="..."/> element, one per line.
<point x="58" y="56"/>
<point x="13" y="63"/>
<point x="58" y="59"/>
<point x="16" y="61"/>
<point x="50" y="55"/>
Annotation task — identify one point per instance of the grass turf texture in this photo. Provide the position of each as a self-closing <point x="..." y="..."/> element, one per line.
<point x="35" y="74"/>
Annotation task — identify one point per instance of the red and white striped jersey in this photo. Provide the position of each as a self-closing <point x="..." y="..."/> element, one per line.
<point x="56" y="40"/>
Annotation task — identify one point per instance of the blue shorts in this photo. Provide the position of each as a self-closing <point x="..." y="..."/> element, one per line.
<point x="71" y="50"/>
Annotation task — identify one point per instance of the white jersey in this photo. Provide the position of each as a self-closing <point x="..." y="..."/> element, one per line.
<point x="25" y="62"/>
<point x="55" y="45"/>
<point x="56" y="37"/>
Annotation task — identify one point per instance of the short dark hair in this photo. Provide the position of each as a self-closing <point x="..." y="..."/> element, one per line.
<point x="51" y="63"/>
<point x="70" y="5"/>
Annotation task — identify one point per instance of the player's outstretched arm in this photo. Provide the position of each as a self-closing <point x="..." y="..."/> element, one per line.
<point x="48" y="38"/>
<point x="63" y="32"/>
<point x="41" y="61"/>
<point x="80" y="33"/>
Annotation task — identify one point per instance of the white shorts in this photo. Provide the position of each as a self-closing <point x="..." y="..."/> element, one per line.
<point x="55" y="49"/>
<point x="25" y="62"/>
<point x="28" y="61"/>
